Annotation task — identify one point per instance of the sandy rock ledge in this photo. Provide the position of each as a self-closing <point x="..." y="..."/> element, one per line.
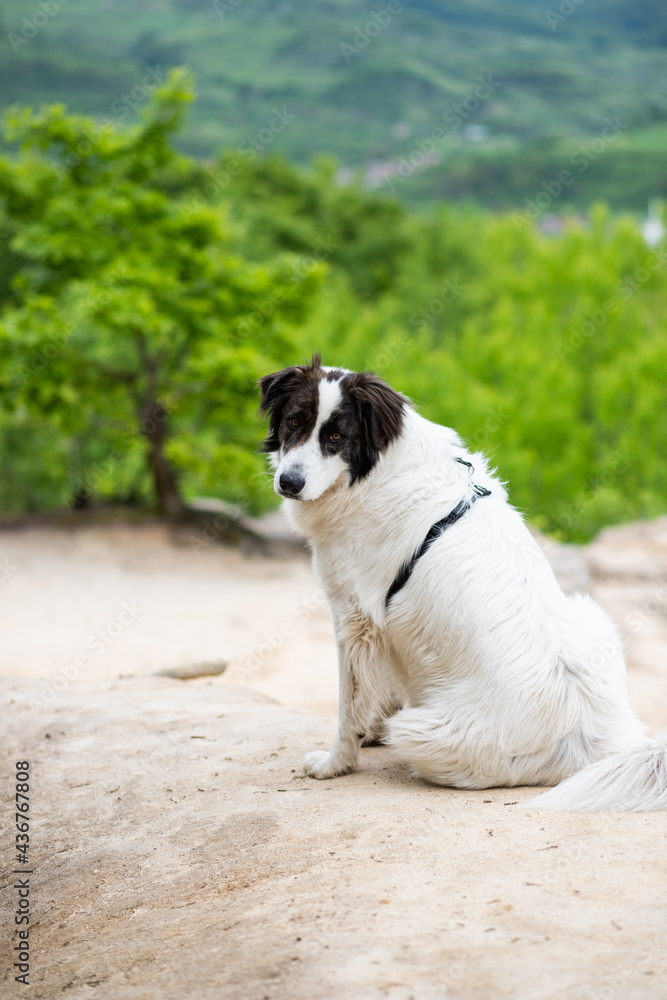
<point x="178" y="852"/>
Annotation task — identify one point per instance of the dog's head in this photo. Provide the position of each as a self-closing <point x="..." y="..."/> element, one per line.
<point x="327" y="426"/>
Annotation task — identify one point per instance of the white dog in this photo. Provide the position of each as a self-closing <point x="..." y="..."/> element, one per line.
<point x="444" y="604"/>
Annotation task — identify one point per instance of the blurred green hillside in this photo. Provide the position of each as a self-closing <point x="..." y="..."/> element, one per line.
<point x="370" y="87"/>
<point x="142" y="292"/>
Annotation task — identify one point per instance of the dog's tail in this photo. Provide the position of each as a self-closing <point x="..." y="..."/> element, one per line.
<point x="632" y="781"/>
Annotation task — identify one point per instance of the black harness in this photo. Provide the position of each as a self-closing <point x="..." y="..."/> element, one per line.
<point x="434" y="532"/>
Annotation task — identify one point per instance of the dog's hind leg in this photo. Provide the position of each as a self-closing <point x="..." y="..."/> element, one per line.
<point x="435" y="747"/>
<point x="365" y="696"/>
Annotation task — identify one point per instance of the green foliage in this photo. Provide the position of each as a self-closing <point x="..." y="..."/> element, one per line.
<point x="286" y="209"/>
<point x="550" y="360"/>
<point x="145" y="292"/>
<point x="561" y="70"/>
<point x="129" y="316"/>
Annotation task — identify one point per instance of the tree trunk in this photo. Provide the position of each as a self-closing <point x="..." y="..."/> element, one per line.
<point x="154" y="428"/>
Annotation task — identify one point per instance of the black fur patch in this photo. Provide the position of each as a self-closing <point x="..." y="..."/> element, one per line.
<point x="379" y="413"/>
<point x="278" y="390"/>
<point x="335" y="375"/>
<point x="368" y="419"/>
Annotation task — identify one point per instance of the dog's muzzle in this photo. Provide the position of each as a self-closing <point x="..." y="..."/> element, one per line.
<point x="291" y="484"/>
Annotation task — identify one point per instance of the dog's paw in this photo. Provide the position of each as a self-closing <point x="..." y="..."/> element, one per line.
<point x="320" y="764"/>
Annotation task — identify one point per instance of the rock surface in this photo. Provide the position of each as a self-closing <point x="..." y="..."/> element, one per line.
<point x="177" y="852"/>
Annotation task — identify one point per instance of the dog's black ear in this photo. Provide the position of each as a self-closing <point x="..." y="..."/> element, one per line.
<point x="380" y="412"/>
<point x="276" y="389"/>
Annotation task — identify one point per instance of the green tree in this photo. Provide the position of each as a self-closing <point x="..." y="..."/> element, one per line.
<point x="132" y="317"/>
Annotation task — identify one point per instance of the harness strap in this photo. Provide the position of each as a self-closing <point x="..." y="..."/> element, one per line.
<point x="434" y="532"/>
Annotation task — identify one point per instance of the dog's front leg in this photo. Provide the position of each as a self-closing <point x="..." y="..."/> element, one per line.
<point x="357" y="707"/>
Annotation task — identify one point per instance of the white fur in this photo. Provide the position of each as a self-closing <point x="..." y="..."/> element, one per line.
<point x="503" y="679"/>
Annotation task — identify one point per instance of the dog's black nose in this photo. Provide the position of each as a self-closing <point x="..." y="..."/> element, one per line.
<point x="291" y="483"/>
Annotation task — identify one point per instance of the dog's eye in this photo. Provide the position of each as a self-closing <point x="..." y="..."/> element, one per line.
<point x="294" y="422"/>
<point x="335" y="436"/>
